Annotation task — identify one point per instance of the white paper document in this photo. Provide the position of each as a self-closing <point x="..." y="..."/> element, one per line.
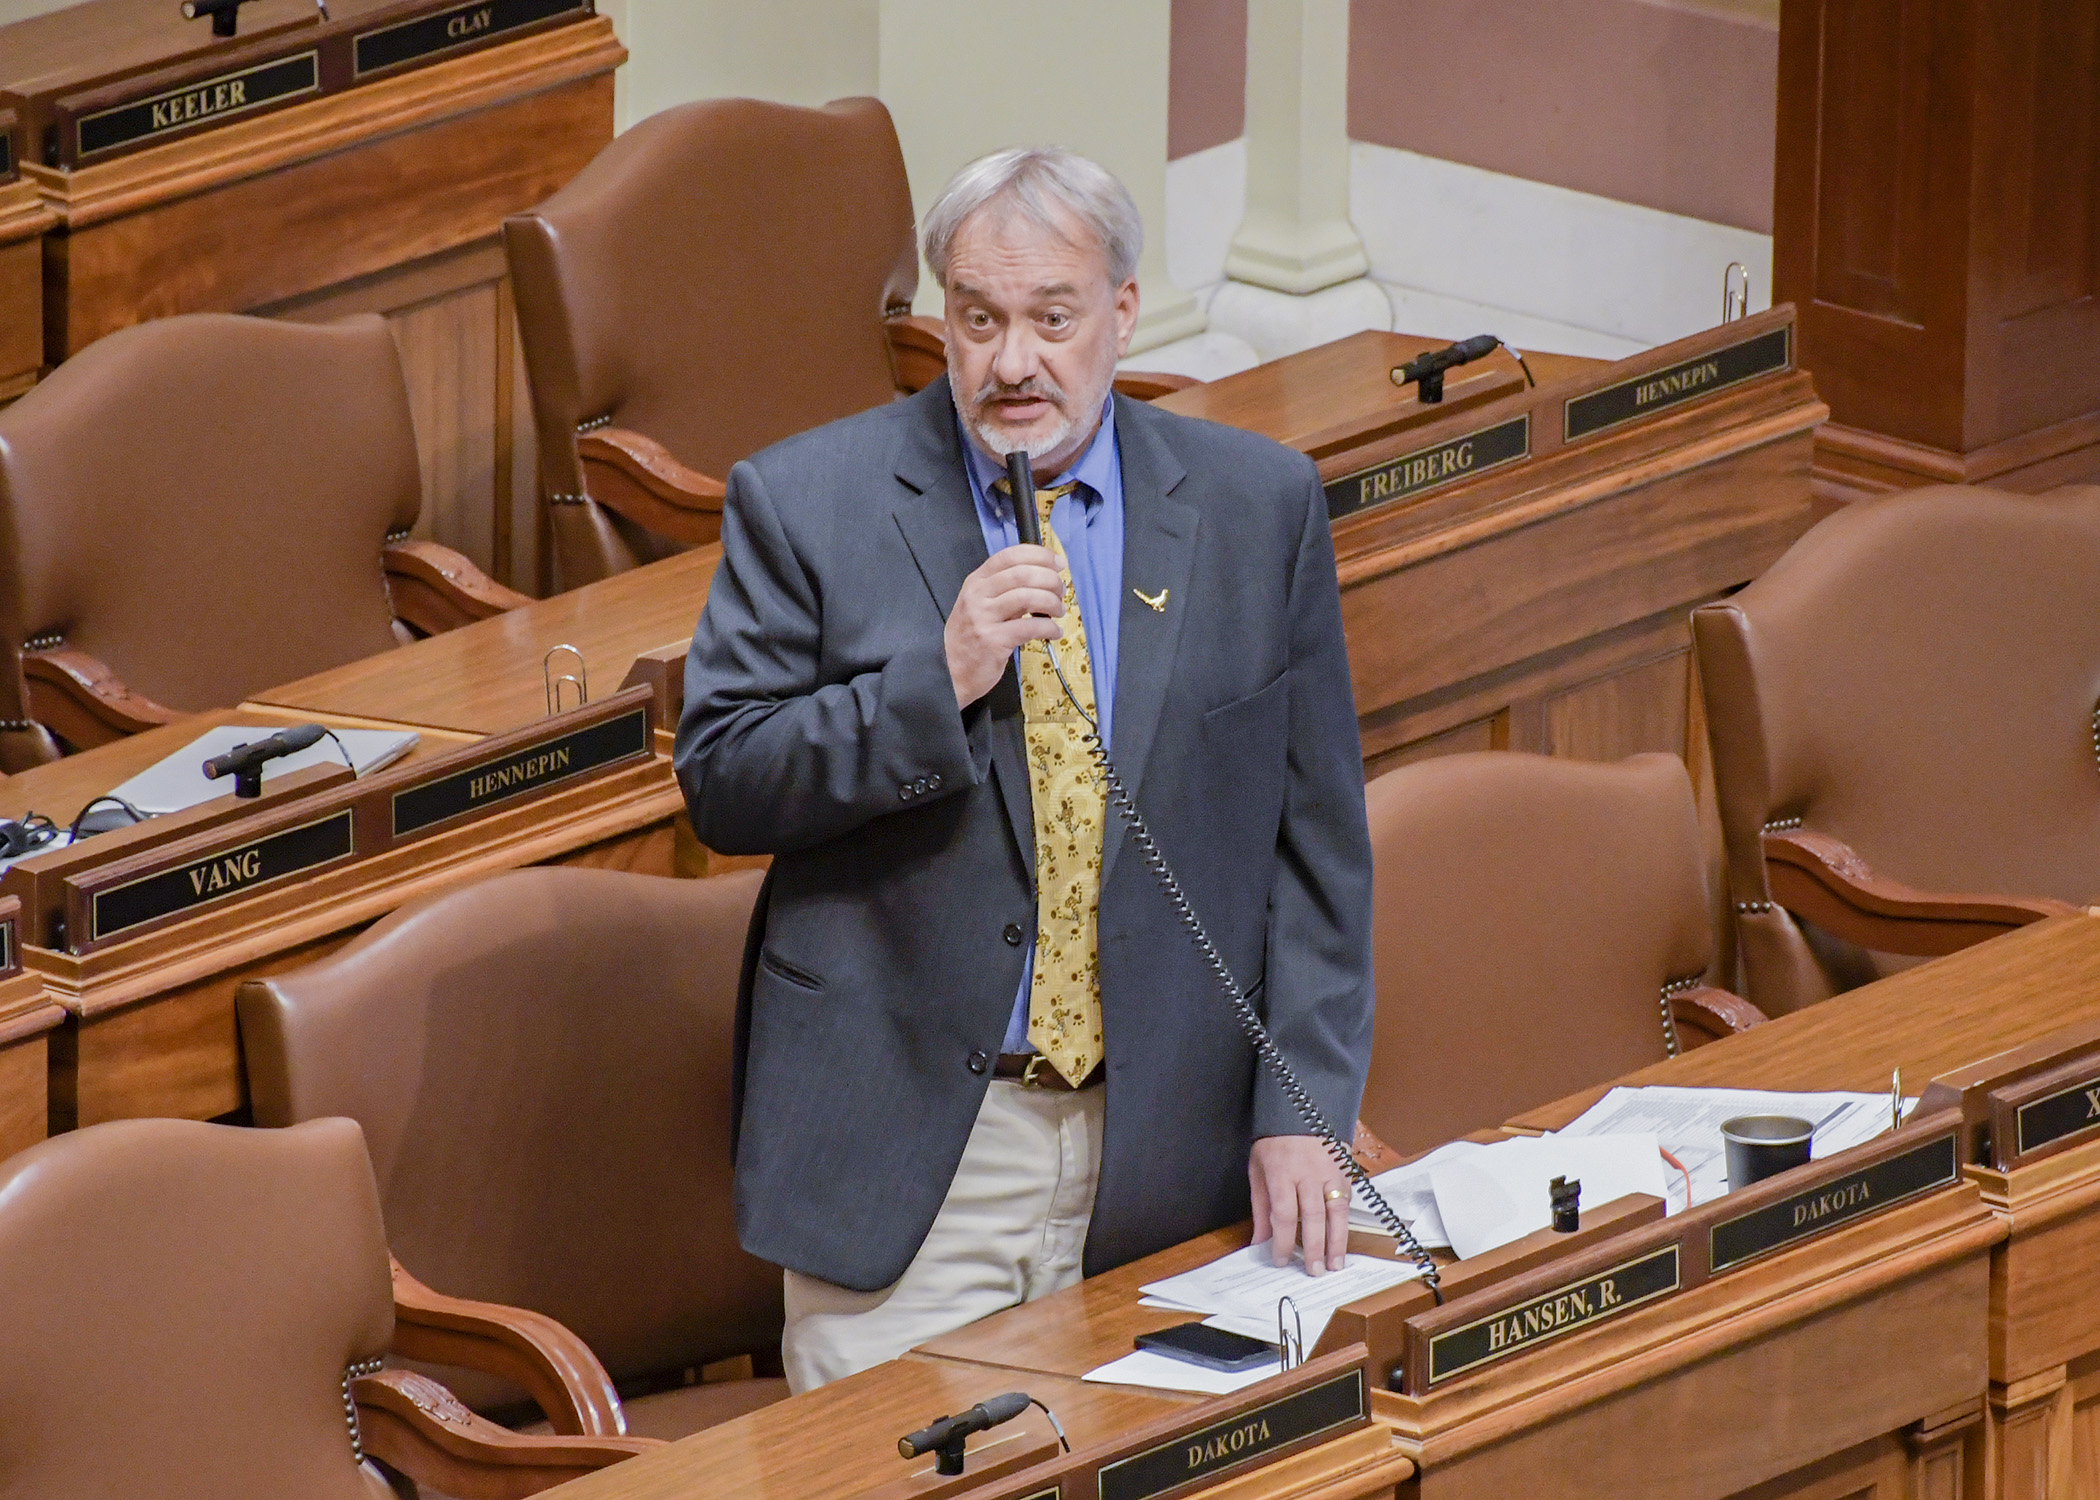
<point x="1164" y="1374"/>
<point x="1688" y="1122"/>
<point x="1240" y="1291"/>
<point x="1503" y="1192"/>
<point x="178" y="781"/>
<point x="1407" y="1190"/>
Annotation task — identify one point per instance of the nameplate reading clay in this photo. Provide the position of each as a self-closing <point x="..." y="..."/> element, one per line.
<point x="1837" y="1201"/>
<point x="1250" y="1435"/>
<point x="411" y="41"/>
<point x="2058" y="1116"/>
<point x="1689" y="380"/>
<point x="526" y="768"/>
<point x="1523" y="1326"/>
<point x="1431" y="468"/>
<point x="207" y="100"/>
<point x="222" y="875"/>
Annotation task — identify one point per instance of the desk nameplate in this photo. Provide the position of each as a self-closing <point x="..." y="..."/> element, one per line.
<point x="1688" y="380"/>
<point x="210" y="100"/>
<point x="10" y="146"/>
<point x="1431" y="468"/>
<point x="1836" y="1200"/>
<point x="236" y="867"/>
<point x="10" y="938"/>
<point x="2049" y="1112"/>
<point x="510" y="766"/>
<point x="425" y="38"/>
<point x="1531" y="1323"/>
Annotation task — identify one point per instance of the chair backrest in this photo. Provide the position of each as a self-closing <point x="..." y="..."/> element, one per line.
<point x="541" y="1062"/>
<point x="182" y="1303"/>
<point x="200" y="502"/>
<point x="1918" y="676"/>
<point x="716" y="280"/>
<point x="1528" y="914"/>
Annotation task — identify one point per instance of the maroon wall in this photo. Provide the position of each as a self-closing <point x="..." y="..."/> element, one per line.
<point x="1206" y="75"/>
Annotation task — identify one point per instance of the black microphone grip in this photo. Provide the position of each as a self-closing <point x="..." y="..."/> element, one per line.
<point x="247" y="756"/>
<point x="1021" y="482"/>
<point x="985" y="1414"/>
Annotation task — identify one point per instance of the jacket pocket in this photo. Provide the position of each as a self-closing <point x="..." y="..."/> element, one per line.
<point x="781" y="969"/>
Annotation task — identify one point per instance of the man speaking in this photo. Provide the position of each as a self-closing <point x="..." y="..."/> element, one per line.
<point x="980" y="1054"/>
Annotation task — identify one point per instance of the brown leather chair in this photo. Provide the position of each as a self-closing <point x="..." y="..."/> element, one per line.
<point x="1540" y="926"/>
<point x="1903" y="720"/>
<point x="541" y="1063"/>
<point x="196" y="1312"/>
<point x="200" y="507"/>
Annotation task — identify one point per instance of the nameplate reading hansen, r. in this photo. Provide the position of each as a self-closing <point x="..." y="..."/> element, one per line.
<point x="1837" y="1201"/>
<point x="427" y="36"/>
<point x="224" y="874"/>
<point x="525" y="768"/>
<point x="1431" y="468"/>
<point x="1523" y="1326"/>
<point x="1690" y="380"/>
<point x="1250" y="1435"/>
<point x="218" y="98"/>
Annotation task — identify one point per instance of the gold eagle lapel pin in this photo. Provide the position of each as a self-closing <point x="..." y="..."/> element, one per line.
<point x="1158" y="603"/>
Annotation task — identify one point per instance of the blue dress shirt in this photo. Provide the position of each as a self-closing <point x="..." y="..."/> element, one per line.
<point x="1089" y="522"/>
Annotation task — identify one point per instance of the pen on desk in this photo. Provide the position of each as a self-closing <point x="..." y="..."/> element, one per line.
<point x="1896" y="1099"/>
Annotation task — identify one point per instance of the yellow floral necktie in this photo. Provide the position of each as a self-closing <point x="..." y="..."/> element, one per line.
<point x="1064" y="999"/>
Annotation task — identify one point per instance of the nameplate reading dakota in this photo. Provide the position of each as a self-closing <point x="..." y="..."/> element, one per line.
<point x="1431" y="468"/>
<point x="1840" y="1201"/>
<point x="426" y="36"/>
<point x="220" y="876"/>
<point x="219" y="98"/>
<point x="1564" y="1310"/>
<point x="515" y="772"/>
<point x="1222" y="1445"/>
<point x="1659" y="390"/>
<point x="2064" y="1113"/>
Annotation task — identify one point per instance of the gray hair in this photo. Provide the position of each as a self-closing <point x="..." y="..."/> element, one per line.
<point x="1037" y="181"/>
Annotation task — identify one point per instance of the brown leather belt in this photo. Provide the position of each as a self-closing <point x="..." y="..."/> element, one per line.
<point x="1032" y="1070"/>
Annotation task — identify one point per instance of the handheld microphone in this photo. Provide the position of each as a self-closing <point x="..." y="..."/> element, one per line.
<point x="1427" y="370"/>
<point x="244" y="762"/>
<point x="1021" y="481"/>
<point x="945" y="1438"/>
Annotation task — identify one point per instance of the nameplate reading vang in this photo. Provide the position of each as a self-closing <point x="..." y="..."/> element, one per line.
<point x="1223" y="1445"/>
<point x="526" y="769"/>
<point x="2057" y="1116"/>
<point x="1689" y="380"/>
<point x="210" y="99"/>
<point x="411" y="41"/>
<point x="1839" y="1201"/>
<point x="220" y="876"/>
<point x="1524" y="1326"/>
<point x="1431" y="468"/>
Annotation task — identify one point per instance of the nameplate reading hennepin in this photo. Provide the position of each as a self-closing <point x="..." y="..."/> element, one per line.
<point x="1839" y="1201"/>
<point x="1431" y="468"/>
<point x="219" y="98"/>
<point x="1566" y="1309"/>
<point x="426" y="36"/>
<point x="1223" y="1445"/>
<point x="1659" y="390"/>
<point x="2064" y="1113"/>
<point x="220" y="876"/>
<point x="515" y="772"/>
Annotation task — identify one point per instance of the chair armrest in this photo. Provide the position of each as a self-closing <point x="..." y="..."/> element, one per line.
<point x="1149" y="385"/>
<point x="1823" y="880"/>
<point x="1713" y="1013"/>
<point x="414" y="1425"/>
<point x="556" y="1368"/>
<point x="433" y="589"/>
<point x="637" y="477"/>
<point x="918" y="351"/>
<point x="79" y="699"/>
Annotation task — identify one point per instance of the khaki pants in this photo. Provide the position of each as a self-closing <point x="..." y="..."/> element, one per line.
<point x="1010" y="1230"/>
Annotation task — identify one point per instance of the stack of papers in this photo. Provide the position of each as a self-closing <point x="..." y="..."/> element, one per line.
<point x="1408" y="1193"/>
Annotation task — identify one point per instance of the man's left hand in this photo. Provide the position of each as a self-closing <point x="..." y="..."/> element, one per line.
<point x="1299" y="1193"/>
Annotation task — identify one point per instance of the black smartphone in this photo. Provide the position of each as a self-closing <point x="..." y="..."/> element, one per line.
<point x="1213" y="1348"/>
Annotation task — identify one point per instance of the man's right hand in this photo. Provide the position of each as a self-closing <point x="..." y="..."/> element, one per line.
<point x="1014" y="596"/>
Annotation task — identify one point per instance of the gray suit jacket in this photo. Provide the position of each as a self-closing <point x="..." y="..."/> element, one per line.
<point x="820" y="726"/>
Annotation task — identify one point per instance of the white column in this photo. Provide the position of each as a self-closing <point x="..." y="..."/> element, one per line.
<point x="962" y="79"/>
<point x="1297" y="264"/>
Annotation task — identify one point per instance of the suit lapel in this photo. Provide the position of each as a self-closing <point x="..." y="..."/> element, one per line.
<point x="1159" y="549"/>
<point x="938" y="517"/>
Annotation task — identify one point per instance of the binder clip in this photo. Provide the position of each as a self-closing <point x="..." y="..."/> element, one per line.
<point x="580" y="679"/>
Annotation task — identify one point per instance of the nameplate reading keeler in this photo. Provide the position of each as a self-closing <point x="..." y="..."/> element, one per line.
<point x="521" y="769"/>
<point x="1524" y="1326"/>
<point x="411" y="41"/>
<point x="1838" y="1201"/>
<point x="1689" y="380"/>
<point x="1431" y="468"/>
<point x="1252" y="1434"/>
<point x="221" y="875"/>
<point x="208" y="99"/>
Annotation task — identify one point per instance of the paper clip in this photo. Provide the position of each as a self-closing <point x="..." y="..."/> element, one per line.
<point x="1735" y="292"/>
<point x="581" y="677"/>
<point x="1290" y="1338"/>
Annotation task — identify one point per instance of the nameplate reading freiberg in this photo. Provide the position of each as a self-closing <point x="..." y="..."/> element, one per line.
<point x="1222" y="1445"/>
<point x="1524" y="1326"/>
<point x="426" y="36"/>
<point x="219" y="98"/>
<point x="515" y="772"/>
<point x="2064" y="1113"/>
<point x="1838" y="1201"/>
<point x="1431" y="468"/>
<point x="220" y="876"/>
<point x="1659" y="390"/>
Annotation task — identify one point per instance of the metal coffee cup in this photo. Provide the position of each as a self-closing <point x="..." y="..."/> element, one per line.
<point x="1761" y="1146"/>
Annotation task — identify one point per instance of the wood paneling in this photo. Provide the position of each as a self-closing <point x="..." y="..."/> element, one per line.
<point x="24" y="1102"/>
<point x="23" y="223"/>
<point x="1641" y="707"/>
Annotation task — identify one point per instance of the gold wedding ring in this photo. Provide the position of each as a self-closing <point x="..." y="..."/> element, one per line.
<point x="1333" y="1193"/>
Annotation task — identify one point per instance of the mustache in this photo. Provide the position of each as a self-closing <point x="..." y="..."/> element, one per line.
<point x="1035" y="387"/>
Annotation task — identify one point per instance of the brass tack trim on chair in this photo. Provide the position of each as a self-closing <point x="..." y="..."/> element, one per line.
<point x="1781" y="825"/>
<point x="357" y="1435"/>
<point x="1754" y="906"/>
<point x="1671" y="990"/>
<point x="557" y="498"/>
<point x="2096" y="733"/>
<point x="44" y="642"/>
<point x="397" y="536"/>
<point x="593" y="424"/>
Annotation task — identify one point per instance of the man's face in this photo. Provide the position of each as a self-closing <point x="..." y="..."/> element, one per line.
<point x="1034" y="330"/>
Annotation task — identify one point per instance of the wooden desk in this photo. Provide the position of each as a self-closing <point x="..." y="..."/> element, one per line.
<point x="2044" y="1325"/>
<point x="24" y="220"/>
